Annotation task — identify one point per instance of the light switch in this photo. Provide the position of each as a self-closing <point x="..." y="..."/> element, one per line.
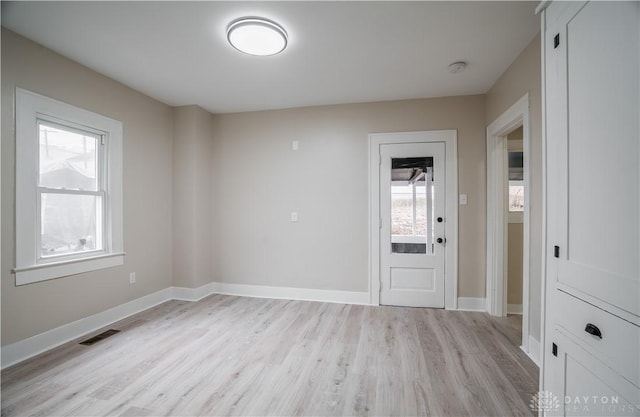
<point x="295" y="145"/>
<point x="294" y="216"/>
<point x="463" y="199"/>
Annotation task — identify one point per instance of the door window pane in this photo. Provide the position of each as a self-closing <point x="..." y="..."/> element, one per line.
<point x="68" y="158"/>
<point x="401" y="210"/>
<point x="411" y="205"/>
<point x="70" y="223"/>
<point x="421" y="209"/>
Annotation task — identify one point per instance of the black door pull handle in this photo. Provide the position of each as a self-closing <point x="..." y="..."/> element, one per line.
<point x="593" y="329"/>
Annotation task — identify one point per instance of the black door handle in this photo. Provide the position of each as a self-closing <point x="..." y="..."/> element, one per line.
<point x="440" y="240"/>
<point x="439" y="219"/>
<point x="593" y="329"/>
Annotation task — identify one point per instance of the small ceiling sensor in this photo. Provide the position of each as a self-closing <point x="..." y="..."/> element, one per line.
<point x="457" y="67"/>
<point x="257" y="36"/>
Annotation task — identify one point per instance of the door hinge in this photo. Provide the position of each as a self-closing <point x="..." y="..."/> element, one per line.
<point x="380" y="223"/>
<point x="556" y="251"/>
<point x="102" y="140"/>
<point x="379" y="159"/>
<point x="554" y="349"/>
<point x="556" y="41"/>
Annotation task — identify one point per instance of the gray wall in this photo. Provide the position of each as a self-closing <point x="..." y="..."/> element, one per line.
<point x="258" y="180"/>
<point x="192" y="196"/>
<point x="523" y="76"/>
<point x="31" y="309"/>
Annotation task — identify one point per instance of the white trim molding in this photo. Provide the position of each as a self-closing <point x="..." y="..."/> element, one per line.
<point x="40" y="343"/>
<point x="450" y="139"/>
<point x="497" y="168"/>
<point x="514" y="309"/>
<point x="290" y="293"/>
<point x="533" y="352"/>
<point x="30" y="265"/>
<point x="472" y="304"/>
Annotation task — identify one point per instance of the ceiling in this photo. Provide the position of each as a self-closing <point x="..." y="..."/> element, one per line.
<point x="339" y="52"/>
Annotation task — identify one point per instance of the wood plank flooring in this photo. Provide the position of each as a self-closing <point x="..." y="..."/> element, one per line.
<point x="229" y="355"/>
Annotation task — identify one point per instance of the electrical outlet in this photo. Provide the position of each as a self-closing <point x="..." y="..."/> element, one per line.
<point x="294" y="216"/>
<point x="295" y="145"/>
<point x="132" y="278"/>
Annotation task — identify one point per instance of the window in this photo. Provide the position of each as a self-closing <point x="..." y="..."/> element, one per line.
<point x="408" y="209"/>
<point x="412" y="205"/>
<point x="68" y="189"/>
<point x="516" y="186"/>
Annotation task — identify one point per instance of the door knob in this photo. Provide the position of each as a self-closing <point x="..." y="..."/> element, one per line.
<point x="440" y="219"/>
<point x="441" y="240"/>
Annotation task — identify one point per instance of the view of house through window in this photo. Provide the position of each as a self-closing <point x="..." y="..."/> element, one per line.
<point x="70" y="190"/>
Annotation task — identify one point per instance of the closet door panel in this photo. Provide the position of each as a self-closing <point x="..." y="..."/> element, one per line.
<point x="600" y="256"/>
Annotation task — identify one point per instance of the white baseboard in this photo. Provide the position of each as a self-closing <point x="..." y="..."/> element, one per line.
<point x="289" y="293"/>
<point x="534" y="350"/>
<point x="514" y="309"/>
<point x="472" y="304"/>
<point x="32" y="346"/>
<point x="192" y="294"/>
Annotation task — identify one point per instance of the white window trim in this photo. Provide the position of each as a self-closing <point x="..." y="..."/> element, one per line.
<point x="29" y="107"/>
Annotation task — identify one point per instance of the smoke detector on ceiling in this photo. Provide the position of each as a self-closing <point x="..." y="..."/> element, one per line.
<point x="457" y="67"/>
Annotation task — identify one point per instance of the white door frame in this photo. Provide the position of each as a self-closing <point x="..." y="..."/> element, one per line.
<point x="450" y="138"/>
<point x="497" y="206"/>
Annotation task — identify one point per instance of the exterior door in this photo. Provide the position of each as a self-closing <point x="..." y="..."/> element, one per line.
<point x="412" y="211"/>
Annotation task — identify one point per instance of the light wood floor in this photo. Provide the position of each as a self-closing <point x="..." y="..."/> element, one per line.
<point x="230" y="355"/>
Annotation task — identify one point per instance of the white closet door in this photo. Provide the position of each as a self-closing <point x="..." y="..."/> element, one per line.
<point x="594" y="136"/>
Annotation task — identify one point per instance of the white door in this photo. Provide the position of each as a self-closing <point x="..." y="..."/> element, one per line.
<point x="412" y="211"/>
<point x="592" y="332"/>
<point x="594" y="149"/>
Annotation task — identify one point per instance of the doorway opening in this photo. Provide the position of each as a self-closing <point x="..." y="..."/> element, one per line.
<point x="508" y="185"/>
<point x="515" y="190"/>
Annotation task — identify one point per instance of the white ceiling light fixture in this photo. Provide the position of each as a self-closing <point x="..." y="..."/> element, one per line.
<point x="257" y="36"/>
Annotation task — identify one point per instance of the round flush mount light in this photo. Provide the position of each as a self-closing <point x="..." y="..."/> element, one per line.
<point x="257" y="36"/>
<point x="457" y="67"/>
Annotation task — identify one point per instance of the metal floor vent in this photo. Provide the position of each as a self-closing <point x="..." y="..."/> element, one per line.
<point x="99" y="337"/>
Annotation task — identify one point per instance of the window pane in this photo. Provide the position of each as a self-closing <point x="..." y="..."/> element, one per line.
<point x="401" y="210"/>
<point x="68" y="158"/>
<point x="516" y="196"/>
<point x="421" y="209"/>
<point x="70" y="224"/>
<point x="516" y="165"/>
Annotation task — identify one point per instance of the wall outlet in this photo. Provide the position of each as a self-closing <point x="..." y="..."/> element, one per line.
<point x="132" y="278"/>
<point x="295" y="145"/>
<point x="294" y="216"/>
<point x="463" y="199"/>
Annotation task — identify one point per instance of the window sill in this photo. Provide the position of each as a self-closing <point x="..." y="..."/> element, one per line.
<point x="43" y="272"/>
